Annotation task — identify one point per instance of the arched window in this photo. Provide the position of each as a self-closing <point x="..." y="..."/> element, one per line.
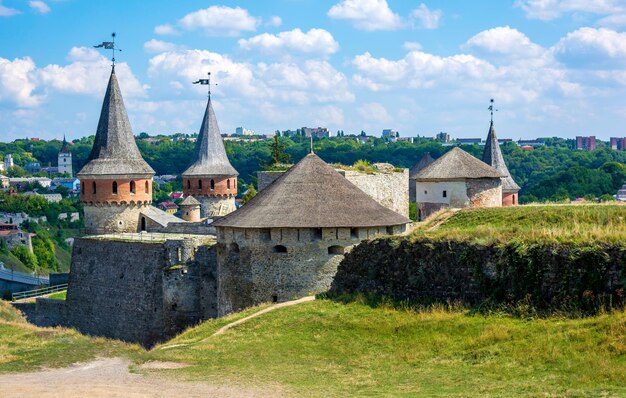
<point x="143" y="223"/>
<point x="188" y="184"/>
<point x="114" y="187"/>
<point x="280" y="249"/>
<point x="147" y="187"/>
<point x="227" y="184"/>
<point x="93" y="187"/>
<point x="234" y="247"/>
<point x="199" y="184"/>
<point x="335" y="250"/>
<point x="132" y="187"/>
<point x="212" y="184"/>
<point x="82" y="189"/>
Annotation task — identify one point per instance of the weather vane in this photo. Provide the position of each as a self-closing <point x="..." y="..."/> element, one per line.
<point x="206" y="82"/>
<point x="110" y="45"/>
<point x="492" y="109"/>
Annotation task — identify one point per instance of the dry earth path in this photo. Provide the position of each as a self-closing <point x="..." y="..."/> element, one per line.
<point x="110" y="378"/>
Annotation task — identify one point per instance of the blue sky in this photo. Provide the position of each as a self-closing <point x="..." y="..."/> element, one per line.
<point x="554" y="67"/>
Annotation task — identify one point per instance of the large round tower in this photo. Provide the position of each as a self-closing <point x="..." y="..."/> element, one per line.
<point x="116" y="182"/>
<point x="211" y="179"/>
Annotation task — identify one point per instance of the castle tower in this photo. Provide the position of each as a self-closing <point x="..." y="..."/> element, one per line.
<point x="211" y="179"/>
<point x="493" y="157"/>
<point x="116" y="182"/>
<point x="65" y="159"/>
<point x="190" y="208"/>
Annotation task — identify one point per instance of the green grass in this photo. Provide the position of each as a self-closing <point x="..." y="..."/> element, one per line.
<point x="564" y="223"/>
<point x="10" y="260"/>
<point x="325" y="348"/>
<point x="59" y="295"/>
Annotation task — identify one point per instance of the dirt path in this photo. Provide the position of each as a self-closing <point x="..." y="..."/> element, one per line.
<point x="110" y="378"/>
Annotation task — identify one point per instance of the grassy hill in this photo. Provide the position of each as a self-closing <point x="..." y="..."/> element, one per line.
<point x="553" y="223"/>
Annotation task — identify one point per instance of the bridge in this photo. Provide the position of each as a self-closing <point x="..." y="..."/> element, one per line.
<point x="13" y="282"/>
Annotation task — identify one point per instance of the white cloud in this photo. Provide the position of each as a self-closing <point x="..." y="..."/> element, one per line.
<point x="547" y="10"/>
<point x="613" y="21"/>
<point x="158" y="46"/>
<point x="39" y="6"/>
<point x="313" y="41"/>
<point x="275" y="21"/>
<point x="429" y="19"/>
<point x="589" y="46"/>
<point x="88" y="73"/>
<point x="412" y="46"/>
<point x="375" y="112"/>
<point x="367" y="14"/>
<point x="330" y="116"/>
<point x="18" y="81"/>
<point x="7" y="11"/>
<point x="220" y="21"/>
<point x="504" y="40"/>
<point x="165" y="30"/>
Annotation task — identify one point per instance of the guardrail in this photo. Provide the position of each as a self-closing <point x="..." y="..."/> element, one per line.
<point x="9" y="275"/>
<point x="38" y="292"/>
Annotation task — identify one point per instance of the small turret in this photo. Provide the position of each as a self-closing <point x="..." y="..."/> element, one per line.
<point x="190" y="208"/>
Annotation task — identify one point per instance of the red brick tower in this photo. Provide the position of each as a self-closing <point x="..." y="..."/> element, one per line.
<point x="116" y="182"/>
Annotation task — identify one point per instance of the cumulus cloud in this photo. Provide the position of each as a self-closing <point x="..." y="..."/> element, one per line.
<point x="592" y="47"/>
<point x="367" y="14"/>
<point x="220" y="21"/>
<point x="88" y="73"/>
<point x="166" y="30"/>
<point x="275" y="21"/>
<point x="613" y="21"/>
<point x="7" y="11"/>
<point x="18" y="82"/>
<point x="412" y="46"/>
<point x="314" y="41"/>
<point x="428" y="19"/>
<point x="39" y="6"/>
<point x="374" y="111"/>
<point x="504" y="40"/>
<point x="158" y="46"/>
<point x="547" y="10"/>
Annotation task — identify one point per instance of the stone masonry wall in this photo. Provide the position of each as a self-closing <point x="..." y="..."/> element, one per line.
<point x="136" y="291"/>
<point x="390" y="189"/>
<point x="113" y="218"/>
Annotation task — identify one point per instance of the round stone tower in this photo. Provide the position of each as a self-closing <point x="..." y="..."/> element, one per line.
<point x="190" y="208"/>
<point x="211" y="179"/>
<point x="116" y="182"/>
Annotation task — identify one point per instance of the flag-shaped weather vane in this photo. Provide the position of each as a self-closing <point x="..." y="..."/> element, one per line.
<point x="206" y="82"/>
<point x="492" y="109"/>
<point x="110" y="45"/>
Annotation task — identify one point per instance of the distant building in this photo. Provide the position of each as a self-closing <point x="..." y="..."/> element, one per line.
<point x="12" y="236"/>
<point x="168" y="207"/>
<point x="65" y="159"/>
<point x="243" y="131"/>
<point x="52" y="197"/>
<point x="318" y="132"/>
<point x="457" y="180"/>
<point x="390" y="135"/>
<point x="33" y="167"/>
<point x="531" y="143"/>
<point x="43" y="181"/>
<point x="621" y="194"/>
<point x="4" y="182"/>
<point x="469" y="141"/>
<point x="73" y="184"/>
<point x="444" y="137"/>
<point x="618" y="143"/>
<point x="8" y="161"/>
<point x="586" y="143"/>
<point x="176" y="195"/>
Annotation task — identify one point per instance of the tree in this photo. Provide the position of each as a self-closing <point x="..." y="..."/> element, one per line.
<point x="249" y="194"/>
<point x="25" y="256"/>
<point x="279" y="156"/>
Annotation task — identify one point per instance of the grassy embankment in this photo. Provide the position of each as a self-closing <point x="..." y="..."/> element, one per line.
<point x="327" y="348"/>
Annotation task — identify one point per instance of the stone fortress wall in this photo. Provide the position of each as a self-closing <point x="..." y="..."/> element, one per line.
<point x="475" y="192"/>
<point x="279" y="264"/>
<point x="104" y="217"/>
<point x="138" y="291"/>
<point x="390" y="189"/>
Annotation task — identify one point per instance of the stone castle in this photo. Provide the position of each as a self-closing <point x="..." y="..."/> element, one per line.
<point x="143" y="275"/>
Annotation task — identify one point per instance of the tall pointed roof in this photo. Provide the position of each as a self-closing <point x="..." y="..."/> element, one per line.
<point x="423" y="162"/>
<point x="114" y="150"/>
<point x="64" y="148"/>
<point x="311" y="194"/>
<point x="457" y="164"/>
<point x="210" y="155"/>
<point x="493" y="157"/>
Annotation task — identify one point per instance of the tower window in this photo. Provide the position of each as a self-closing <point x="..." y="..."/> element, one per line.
<point x="93" y="187"/>
<point x="280" y="249"/>
<point x="188" y="184"/>
<point x="227" y="184"/>
<point x="82" y="190"/>
<point x="445" y="194"/>
<point x="335" y="250"/>
<point x="199" y="184"/>
<point x="147" y="187"/>
<point x="114" y="187"/>
<point x="212" y="184"/>
<point x="132" y="187"/>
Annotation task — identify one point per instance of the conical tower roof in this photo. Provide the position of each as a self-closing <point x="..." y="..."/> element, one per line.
<point x="457" y="164"/>
<point x="311" y="194"/>
<point x="114" y="149"/>
<point x="493" y="157"/>
<point x="64" y="148"/>
<point x="210" y="156"/>
<point x="423" y="162"/>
